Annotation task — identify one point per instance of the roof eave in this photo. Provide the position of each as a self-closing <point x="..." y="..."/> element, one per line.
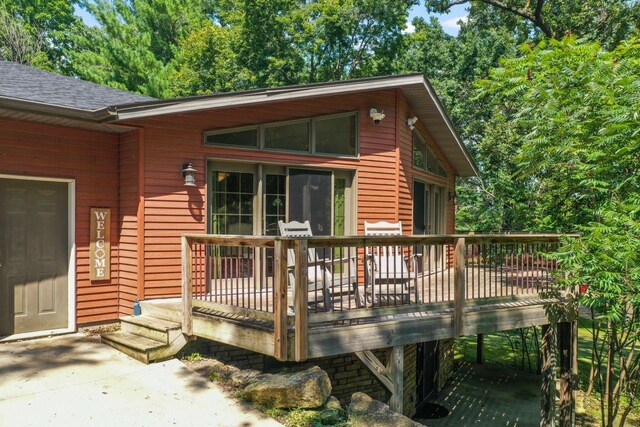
<point x="27" y="106"/>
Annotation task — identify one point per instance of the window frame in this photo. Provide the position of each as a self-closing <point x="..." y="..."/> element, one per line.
<point x="260" y="146"/>
<point x="438" y="160"/>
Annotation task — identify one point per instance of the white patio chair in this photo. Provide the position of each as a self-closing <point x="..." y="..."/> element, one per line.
<point x="387" y="267"/>
<point x="318" y="276"/>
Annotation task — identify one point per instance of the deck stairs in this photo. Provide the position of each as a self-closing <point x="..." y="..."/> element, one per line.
<point x="154" y="336"/>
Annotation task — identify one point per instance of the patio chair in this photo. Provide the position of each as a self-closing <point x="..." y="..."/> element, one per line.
<point x="318" y="276"/>
<point x="386" y="267"/>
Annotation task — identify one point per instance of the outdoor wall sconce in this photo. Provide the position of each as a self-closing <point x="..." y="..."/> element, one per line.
<point x="411" y="122"/>
<point x="189" y="175"/>
<point x="376" y="116"/>
<point x="453" y="196"/>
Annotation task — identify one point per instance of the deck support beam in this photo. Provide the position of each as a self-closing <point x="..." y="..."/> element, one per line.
<point x="566" y="339"/>
<point x="391" y="375"/>
<point x="548" y="403"/>
<point x="459" y="288"/>
<point x="280" y="300"/>
<point x="480" y="348"/>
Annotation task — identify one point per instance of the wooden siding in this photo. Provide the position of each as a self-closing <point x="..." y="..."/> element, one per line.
<point x="407" y="173"/>
<point x="91" y="158"/>
<point x="128" y="198"/>
<point x="172" y="209"/>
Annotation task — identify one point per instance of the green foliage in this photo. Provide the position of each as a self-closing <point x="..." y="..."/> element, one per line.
<point x="134" y="44"/>
<point x="38" y="32"/>
<point x="606" y="21"/>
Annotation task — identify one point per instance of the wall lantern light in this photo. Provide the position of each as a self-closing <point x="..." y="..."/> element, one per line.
<point x="453" y="196"/>
<point x="411" y="122"/>
<point x="189" y="175"/>
<point x="376" y="116"/>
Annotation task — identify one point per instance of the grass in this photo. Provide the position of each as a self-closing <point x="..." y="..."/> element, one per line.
<point x="499" y="349"/>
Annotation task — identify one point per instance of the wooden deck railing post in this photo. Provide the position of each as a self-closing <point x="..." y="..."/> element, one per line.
<point x="302" y="301"/>
<point x="280" y="300"/>
<point x="187" y="287"/>
<point x="459" y="257"/>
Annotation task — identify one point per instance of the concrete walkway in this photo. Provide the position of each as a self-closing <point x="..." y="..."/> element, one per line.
<point x="75" y="380"/>
<point x="490" y="395"/>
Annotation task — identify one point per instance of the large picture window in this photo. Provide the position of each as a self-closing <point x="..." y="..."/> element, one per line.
<point x="333" y="135"/>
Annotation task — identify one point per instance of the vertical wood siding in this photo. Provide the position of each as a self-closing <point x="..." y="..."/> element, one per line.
<point x="91" y="158"/>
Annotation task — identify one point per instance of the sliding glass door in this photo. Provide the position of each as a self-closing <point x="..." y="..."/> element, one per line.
<point x="428" y="218"/>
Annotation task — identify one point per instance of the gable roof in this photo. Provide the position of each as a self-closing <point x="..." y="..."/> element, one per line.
<point x="23" y="83"/>
<point x="415" y="87"/>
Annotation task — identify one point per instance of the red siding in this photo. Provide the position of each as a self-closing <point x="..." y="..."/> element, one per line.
<point x="128" y="245"/>
<point x="172" y="209"/>
<point x="91" y="158"/>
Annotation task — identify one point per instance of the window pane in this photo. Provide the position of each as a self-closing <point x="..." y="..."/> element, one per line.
<point x="287" y="137"/>
<point x="310" y="199"/>
<point x="419" y="153"/>
<point x="442" y="171"/>
<point x="338" y="206"/>
<point x="241" y="138"/>
<point x="232" y="208"/>
<point x="432" y="161"/>
<point x="336" y="135"/>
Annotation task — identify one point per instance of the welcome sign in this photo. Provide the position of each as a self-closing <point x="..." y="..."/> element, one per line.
<point x="100" y="244"/>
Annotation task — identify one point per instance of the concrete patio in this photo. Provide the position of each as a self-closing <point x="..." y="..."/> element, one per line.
<point x="490" y="395"/>
<point x="75" y="380"/>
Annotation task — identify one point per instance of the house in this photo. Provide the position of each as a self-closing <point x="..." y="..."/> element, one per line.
<point x="98" y="186"/>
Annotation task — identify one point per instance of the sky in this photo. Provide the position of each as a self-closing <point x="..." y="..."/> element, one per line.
<point x="448" y="21"/>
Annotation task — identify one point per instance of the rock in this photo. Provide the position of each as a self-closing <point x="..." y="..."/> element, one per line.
<point x="304" y="389"/>
<point x="366" y="412"/>
<point x="332" y="403"/>
<point x="245" y="377"/>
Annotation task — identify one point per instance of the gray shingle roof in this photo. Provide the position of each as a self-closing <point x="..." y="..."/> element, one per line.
<point x="31" y="84"/>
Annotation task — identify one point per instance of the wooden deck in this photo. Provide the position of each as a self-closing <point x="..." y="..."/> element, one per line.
<point x="480" y="284"/>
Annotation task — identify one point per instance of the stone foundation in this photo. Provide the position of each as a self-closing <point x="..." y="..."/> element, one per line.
<point x="346" y="372"/>
<point x="446" y="353"/>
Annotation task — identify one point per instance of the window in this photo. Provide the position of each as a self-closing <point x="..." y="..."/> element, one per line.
<point x="275" y="203"/>
<point x="232" y="203"/>
<point x="293" y="137"/>
<point x="425" y="159"/>
<point x="240" y="138"/>
<point x="334" y="135"/>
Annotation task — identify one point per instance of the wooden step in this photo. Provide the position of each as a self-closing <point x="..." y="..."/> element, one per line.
<point x="169" y="310"/>
<point x="149" y="327"/>
<point x="135" y="346"/>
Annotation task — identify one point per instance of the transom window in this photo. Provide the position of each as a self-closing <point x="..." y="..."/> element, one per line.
<point x="425" y="159"/>
<point x="334" y="135"/>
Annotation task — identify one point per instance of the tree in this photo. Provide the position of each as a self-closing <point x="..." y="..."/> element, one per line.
<point x="38" y="32"/>
<point x="607" y="21"/>
<point x="568" y="111"/>
<point x="134" y="44"/>
<point x="17" y="44"/>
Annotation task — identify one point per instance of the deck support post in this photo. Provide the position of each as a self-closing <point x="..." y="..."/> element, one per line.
<point x="280" y="300"/>
<point x="187" y="287"/>
<point x="459" y="257"/>
<point x="567" y="403"/>
<point x="301" y="323"/>
<point x="548" y="404"/>
<point x="395" y="366"/>
<point x="391" y="376"/>
<point x="480" y="348"/>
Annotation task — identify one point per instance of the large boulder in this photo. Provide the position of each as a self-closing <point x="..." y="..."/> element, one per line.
<point x="304" y="389"/>
<point x="366" y="412"/>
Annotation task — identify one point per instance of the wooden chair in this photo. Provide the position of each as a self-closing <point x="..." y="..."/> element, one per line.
<point x="318" y="276"/>
<point x="386" y="267"/>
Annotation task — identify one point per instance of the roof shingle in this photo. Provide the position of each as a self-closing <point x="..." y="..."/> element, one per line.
<point x="31" y="84"/>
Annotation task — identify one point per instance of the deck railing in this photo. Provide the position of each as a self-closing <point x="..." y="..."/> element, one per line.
<point x="298" y="282"/>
